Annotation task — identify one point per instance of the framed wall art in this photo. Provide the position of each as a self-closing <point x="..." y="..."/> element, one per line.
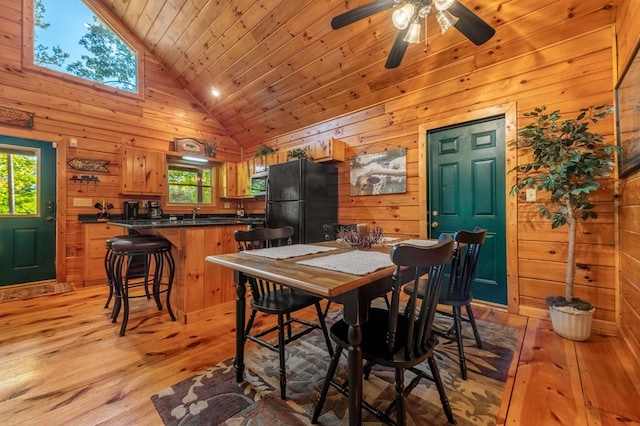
<point x="380" y="173"/>
<point x="628" y="116"/>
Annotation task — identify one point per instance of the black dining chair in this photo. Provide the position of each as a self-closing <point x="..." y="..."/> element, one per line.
<point x="334" y="231"/>
<point x="408" y="340"/>
<point x="458" y="291"/>
<point x="274" y="299"/>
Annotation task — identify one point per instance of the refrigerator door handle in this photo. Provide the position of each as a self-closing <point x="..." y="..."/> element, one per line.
<point x="267" y="204"/>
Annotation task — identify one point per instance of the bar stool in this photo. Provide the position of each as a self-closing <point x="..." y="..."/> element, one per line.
<point x="107" y="257"/>
<point x="129" y="266"/>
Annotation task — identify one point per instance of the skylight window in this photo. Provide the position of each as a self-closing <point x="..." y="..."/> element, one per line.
<point x="71" y="39"/>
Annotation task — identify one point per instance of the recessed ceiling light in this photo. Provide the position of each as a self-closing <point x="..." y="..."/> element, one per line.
<point x="215" y="92"/>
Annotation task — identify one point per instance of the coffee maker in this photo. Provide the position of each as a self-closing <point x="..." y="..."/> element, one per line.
<point x="130" y="209"/>
<point x="154" y="211"/>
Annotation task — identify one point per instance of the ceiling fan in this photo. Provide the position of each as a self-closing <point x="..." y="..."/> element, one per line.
<point x="448" y="13"/>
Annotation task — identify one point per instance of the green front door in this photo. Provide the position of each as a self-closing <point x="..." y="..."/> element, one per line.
<point x="27" y="211"/>
<point x="467" y="189"/>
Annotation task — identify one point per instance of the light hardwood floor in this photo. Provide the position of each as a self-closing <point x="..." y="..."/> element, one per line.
<point x="63" y="363"/>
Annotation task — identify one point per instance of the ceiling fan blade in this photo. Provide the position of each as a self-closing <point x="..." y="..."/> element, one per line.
<point x="469" y="24"/>
<point x="397" y="50"/>
<point x="361" y="12"/>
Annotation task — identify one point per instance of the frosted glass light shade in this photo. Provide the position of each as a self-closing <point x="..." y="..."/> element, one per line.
<point x="402" y="17"/>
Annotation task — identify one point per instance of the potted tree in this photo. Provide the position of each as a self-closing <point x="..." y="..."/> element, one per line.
<point x="567" y="161"/>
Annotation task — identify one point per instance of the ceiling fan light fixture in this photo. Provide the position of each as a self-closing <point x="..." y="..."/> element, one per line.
<point x="442" y="4"/>
<point x="413" y="35"/>
<point x="446" y="20"/>
<point x="402" y="17"/>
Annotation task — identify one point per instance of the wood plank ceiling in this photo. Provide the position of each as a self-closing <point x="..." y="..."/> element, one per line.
<point x="278" y="64"/>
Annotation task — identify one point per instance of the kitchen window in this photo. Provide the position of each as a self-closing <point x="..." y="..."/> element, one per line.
<point x="190" y="183"/>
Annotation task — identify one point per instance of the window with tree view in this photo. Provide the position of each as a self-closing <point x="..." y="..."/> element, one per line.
<point x="18" y="182"/>
<point x="68" y="37"/>
<point x="190" y="183"/>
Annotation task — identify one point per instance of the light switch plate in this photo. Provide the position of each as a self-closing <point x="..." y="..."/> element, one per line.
<point x="531" y="194"/>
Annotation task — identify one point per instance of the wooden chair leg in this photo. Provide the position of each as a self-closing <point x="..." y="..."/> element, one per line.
<point x="457" y="320"/>
<point x="443" y="396"/>
<point x="472" y="320"/>
<point x="283" y="372"/>
<point x="323" y="326"/>
<point x="400" y="401"/>
<point x="331" y="371"/>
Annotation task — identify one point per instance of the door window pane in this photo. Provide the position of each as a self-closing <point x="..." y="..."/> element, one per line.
<point x="18" y="181"/>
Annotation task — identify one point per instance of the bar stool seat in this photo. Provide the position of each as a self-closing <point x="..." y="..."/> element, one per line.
<point x="136" y="261"/>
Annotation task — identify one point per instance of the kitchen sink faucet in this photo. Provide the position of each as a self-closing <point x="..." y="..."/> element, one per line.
<point x="195" y="211"/>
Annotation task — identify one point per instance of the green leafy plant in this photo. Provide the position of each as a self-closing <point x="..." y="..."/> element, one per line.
<point x="264" y="150"/>
<point x="568" y="161"/>
<point x="297" y="153"/>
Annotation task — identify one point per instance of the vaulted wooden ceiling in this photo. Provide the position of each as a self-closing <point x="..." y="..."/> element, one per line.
<point x="278" y="64"/>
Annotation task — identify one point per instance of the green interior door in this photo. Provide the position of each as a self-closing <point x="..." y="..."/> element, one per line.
<point x="27" y="211"/>
<point x="466" y="189"/>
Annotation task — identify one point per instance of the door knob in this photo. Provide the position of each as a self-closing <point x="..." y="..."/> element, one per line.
<point x="434" y="224"/>
<point x="50" y="218"/>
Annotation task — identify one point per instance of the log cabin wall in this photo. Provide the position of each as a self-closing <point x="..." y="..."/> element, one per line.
<point x="628" y="37"/>
<point x="565" y="62"/>
<point x="566" y="66"/>
<point x="102" y="123"/>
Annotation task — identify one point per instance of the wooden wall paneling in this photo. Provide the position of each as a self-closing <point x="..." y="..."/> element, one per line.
<point x="627" y="32"/>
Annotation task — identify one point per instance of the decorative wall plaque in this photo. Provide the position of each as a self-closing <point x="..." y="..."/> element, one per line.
<point x="89" y="165"/>
<point x="16" y="117"/>
<point x="193" y="146"/>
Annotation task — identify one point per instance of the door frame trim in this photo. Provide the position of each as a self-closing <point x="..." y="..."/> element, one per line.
<point x="509" y="111"/>
<point x="60" y="148"/>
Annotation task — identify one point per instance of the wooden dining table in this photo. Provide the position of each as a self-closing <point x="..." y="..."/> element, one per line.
<point x="353" y="292"/>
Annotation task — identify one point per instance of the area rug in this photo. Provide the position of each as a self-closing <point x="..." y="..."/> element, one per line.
<point x="28" y="291"/>
<point x="213" y="397"/>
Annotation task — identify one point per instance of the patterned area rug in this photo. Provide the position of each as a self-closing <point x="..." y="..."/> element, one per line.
<point x="213" y="397"/>
<point x="28" y="291"/>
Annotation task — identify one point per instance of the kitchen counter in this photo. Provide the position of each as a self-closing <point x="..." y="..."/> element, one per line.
<point x="199" y="288"/>
<point x="170" y="223"/>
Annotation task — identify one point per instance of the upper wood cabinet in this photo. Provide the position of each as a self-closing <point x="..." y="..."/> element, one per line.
<point x="322" y="151"/>
<point x="228" y="180"/>
<point x="328" y="150"/>
<point x="235" y="179"/>
<point x="143" y="171"/>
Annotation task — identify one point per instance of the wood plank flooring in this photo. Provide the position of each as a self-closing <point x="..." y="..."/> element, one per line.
<point x="63" y="363"/>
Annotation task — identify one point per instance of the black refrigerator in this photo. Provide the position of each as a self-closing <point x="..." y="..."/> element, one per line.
<point x="304" y="195"/>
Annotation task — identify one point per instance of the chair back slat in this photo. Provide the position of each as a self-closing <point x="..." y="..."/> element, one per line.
<point x="425" y="264"/>
<point x="464" y="263"/>
<point x="263" y="238"/>
<point x="335" y="230"/>
<point x="258" y="238"/>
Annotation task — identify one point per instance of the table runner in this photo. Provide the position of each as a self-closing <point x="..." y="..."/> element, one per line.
<point x="356" y="262"/>
<point x="285" y="252"/>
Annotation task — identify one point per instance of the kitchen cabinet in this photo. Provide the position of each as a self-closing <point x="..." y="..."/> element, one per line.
<point x="322" y="151"/>
<point x="143" y="171"/>
<point x="262" y="162"/>
<point x="235" y="179"/>
<point x="228" y="180"/>
<point x="327" y="150"/>
<point x="245" y="170"/>
<point x="95" y="237"/>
